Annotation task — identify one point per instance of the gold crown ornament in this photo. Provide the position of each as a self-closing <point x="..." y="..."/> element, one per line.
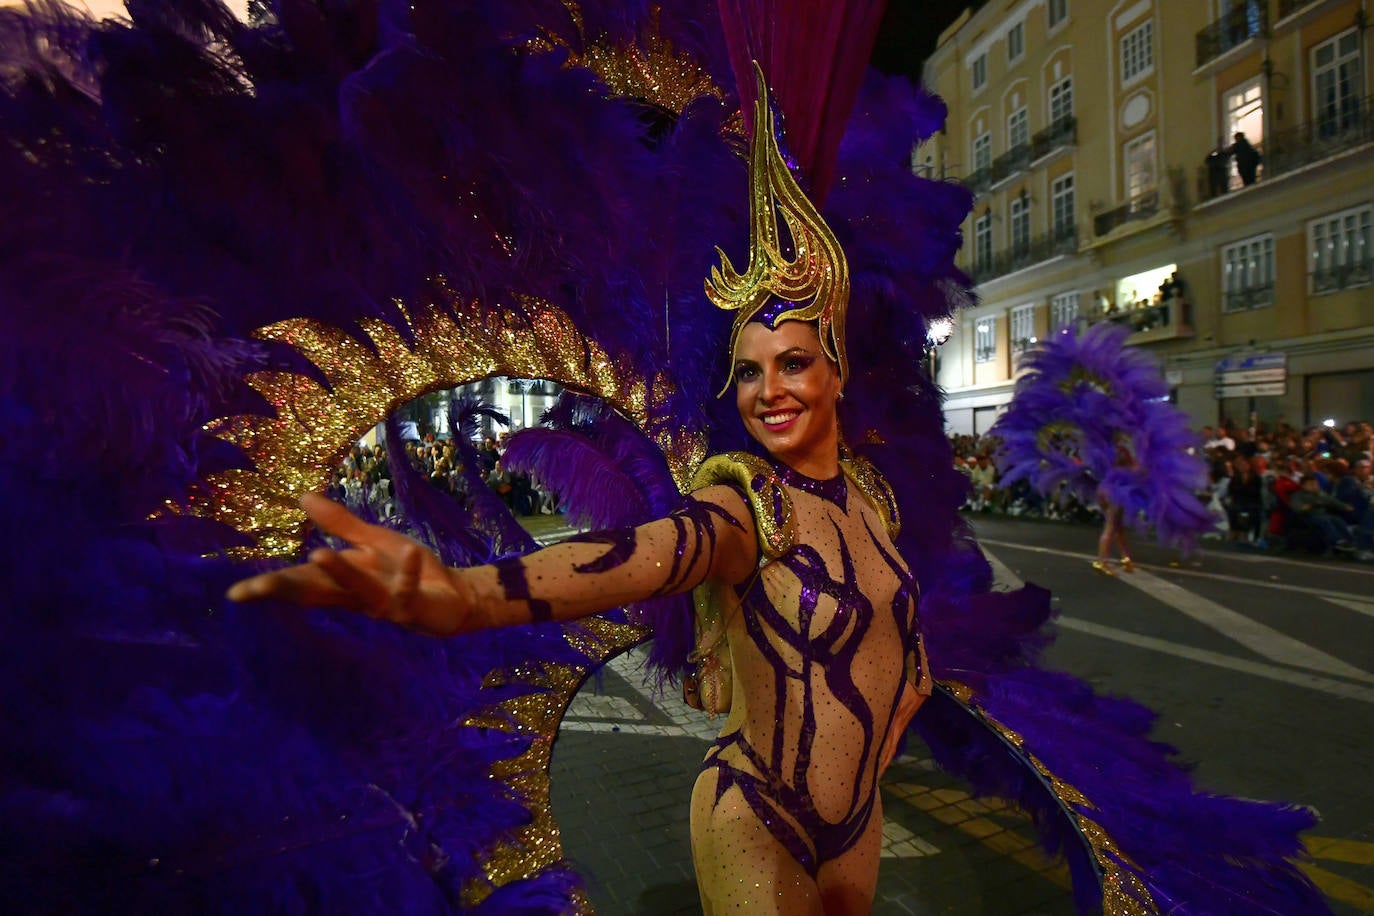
<point x="816" y="275"/>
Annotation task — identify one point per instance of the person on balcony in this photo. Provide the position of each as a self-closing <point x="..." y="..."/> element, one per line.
<point x="1247" y="159"/>
<point x="1218" y="169"/>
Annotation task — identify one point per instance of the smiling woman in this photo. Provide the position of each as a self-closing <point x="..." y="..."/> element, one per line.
<point x="786" y="390"/>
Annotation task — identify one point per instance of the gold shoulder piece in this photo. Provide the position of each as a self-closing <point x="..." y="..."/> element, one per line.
<point x="763" y="488"/>
<point x="875" y="488"/>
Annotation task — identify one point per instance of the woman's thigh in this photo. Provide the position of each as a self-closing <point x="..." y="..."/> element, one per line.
<point x="741" y="867"/>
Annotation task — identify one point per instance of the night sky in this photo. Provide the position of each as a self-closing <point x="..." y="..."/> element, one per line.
<point x="909" y="31"/>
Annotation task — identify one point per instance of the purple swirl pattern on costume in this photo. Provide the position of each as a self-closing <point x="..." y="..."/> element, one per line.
<point x="780" y="796"/>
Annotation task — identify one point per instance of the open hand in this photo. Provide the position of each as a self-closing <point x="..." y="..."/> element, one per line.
<point x="382" y="574"/>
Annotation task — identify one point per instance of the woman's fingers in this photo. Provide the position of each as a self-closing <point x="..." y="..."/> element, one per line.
<point x="297" y="584"/>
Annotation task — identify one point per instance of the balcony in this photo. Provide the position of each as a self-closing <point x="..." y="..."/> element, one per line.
<point x="1034" y="251"/>
<point x="1017" y="159"/>
<point x="1342" y="127"/>
<point x="1167" y="320"/>
<point x="1243" y="300"/>
<point x="1138" y="208"/>
<point x="1343" y="276"/>
<point x="979" y="181"/>
<point x="1238" y="26"/>
<point x="1062" y="134"/>
<point x="1289" y="8"/>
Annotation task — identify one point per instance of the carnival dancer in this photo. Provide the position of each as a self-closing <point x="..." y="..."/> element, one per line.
<point x="818" y="610"/>
<point x="1090" y="422"/>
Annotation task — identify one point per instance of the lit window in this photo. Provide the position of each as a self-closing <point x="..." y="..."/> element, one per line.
<point x="1139" y="156"/>
<point x="1340" y="249"/>
<point x="1023" y="328"/>
<point x="984" y="341"/>
<point x="1064" y="311"/>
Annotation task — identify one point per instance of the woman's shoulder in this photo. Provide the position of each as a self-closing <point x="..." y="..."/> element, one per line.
<point x="762" y="488"/>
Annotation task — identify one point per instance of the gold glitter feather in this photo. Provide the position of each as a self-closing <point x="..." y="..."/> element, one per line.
<point x="294" y="452"/>
<point x="1123" y="894"/>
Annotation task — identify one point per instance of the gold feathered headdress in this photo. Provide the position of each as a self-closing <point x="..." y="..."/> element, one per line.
<point x="815" y="277"/>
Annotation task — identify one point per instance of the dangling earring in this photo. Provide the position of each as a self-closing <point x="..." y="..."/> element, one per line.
<point x="840" y="396"/>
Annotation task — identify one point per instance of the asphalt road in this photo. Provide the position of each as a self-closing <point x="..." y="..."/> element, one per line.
<point x="1261" y="667"/>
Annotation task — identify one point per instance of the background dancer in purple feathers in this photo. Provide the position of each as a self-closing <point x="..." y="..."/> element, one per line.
<point x="190" y="202"/>
<point x="1090" y="419"/>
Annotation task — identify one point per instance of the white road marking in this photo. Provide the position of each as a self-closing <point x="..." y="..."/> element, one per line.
<point x="1253" y="635"/>
<point x="1003" y="576"/>
<point x="1183" y="571"/>
<point x="1258" y="669"/>
<point x="1359" y="607"/>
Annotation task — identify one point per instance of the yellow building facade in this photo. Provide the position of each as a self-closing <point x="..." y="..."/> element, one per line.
<point x="1202" y="172"/>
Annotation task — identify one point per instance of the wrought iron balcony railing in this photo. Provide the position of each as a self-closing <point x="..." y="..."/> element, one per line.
<point x="1142" y="207"/>
<point x="1343" y="276"/>
<point x="1242" y="300"/>
<point x="1339" y="127"/>
<point x="1032" y="251"/>
<point x="1059" y="135"/>
<point x="979" y="180"/>
<point x="1239" y="25"/>
<point x="1014" y="160"/>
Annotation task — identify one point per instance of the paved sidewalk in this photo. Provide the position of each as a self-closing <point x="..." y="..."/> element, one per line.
<point x="622" y="774"/>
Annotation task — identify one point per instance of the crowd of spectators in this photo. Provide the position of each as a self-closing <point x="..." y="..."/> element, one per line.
<point x="363" y="480"/>
<point x="1270" y="486"/>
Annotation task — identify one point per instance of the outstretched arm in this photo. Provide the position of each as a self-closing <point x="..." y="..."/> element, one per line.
<point x="385" y="574"/>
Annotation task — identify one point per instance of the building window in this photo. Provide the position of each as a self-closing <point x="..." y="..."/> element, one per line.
<point x="1139" y="157"/>
<point x="1016" y="42"/>
<point x="982" y="242"/>
<point x="1336" y="83"/>
<point x="984" y="341"/>
<point x="1064" y="311"/>
<point x="1018" y="130"/>
<point x="1059" y="11"/>
<point x="1020" y="225"/>
<point x="1138" y="52"/>
<point x="1061" y="197"/>
<point x="1244" y="107"/>
<point x="1061" y="101"/>
<point x="1341" y="247"/>
<point x="982" y="152"/>
<point x="980" y="71"/>
<point x="1022" y="328"/>
<point x="1247" y="274"/>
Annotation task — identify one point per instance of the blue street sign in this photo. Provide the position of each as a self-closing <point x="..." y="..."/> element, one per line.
<point x="1241" y="362"/>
